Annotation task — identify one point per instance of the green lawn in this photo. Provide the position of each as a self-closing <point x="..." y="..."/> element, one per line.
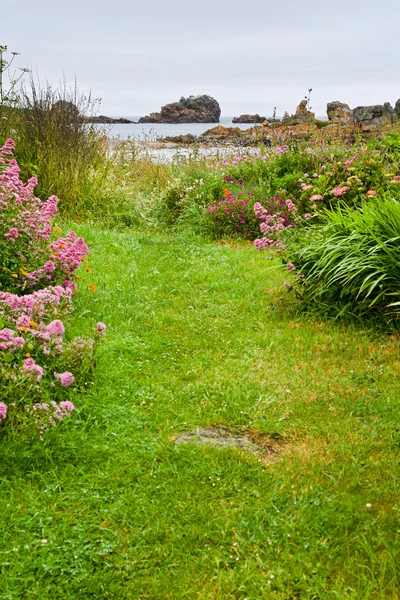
<point x="199" y="334"/>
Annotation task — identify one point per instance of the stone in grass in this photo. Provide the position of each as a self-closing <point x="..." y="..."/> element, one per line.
<point x="223" y="438"/>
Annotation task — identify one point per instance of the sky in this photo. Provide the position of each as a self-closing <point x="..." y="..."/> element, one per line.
<point x="251" y="56"/>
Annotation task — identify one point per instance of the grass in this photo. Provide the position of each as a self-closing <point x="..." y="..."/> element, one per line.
<point x="201" y="334"/>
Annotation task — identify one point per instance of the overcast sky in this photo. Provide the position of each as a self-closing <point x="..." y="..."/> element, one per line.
<point x="250" y="56"/>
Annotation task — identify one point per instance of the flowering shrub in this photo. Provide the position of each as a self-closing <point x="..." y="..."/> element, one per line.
<point x="38" y="368"/>
<point x="30" y="258"/>
<point x="233" y="215"/>
<point x="276" y="216"/>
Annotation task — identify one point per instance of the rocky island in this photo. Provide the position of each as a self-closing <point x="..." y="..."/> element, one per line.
<point x="103" y="120"/>
<point x="249" y="119"/>
<point x="195" y="109"/>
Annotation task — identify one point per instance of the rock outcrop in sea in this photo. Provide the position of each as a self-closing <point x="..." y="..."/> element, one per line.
<point x="195" y="109"/>
<point x="103" y="120"/>
<point x="249" y="119"/>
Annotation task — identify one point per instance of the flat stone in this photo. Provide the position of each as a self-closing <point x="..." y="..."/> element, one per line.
<point x="220" y="437"/>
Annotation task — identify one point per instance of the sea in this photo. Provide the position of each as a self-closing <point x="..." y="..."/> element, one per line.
<point x="153" y="131"/>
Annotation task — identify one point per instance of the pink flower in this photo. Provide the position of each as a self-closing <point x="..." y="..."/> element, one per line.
<point x="316" y="197"/>
<point x="56" y="327"/>
<point x="101" y="326"/>
<point x="65" y="379"/>
<point x="31" y="368"/>
<point x="291" y="267"/>
<point x="338" y="191"/>
<point x="372" y="193"/>
<point x="49" y="267"/>
<point x="308" y="216"/>
<point x="67" y="405"/>
<point x="13" y="234"/>
<point x="3" y="411"/>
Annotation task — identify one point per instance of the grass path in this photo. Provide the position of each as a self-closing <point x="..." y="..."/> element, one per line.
<point x="109" y="507"/>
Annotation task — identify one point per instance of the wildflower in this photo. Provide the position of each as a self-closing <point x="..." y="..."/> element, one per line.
<point x="308" y="216"/>
<point x="287" y="285"/>
<point x="372" y="193"/>
<point x="67" y="405"/>
<point x="66" y="379"/>
<point x="3" y="411"/>
<point x="316" y="197"/>
<point x="56" y="327"/>
<point x="14" y="275"/>
<point x="88" y="269"/>
<point x="57" y="229"/>
<point x="101" y="326"/>
<point x="32" y="369"/>
<point x="226" y="192"/>
<point x="92" y="287"/>
<point x="291" y="267"/>
<point x="338" y="191"/>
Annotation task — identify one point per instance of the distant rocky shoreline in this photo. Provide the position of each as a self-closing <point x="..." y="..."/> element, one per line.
<point x="205" y="109"/>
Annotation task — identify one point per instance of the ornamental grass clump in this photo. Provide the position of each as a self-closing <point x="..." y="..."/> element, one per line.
<point x="350" y="265"/>
<point x="39" y="369"/>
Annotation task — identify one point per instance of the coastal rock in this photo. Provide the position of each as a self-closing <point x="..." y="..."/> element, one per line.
<point x="222" y="133"/>
<point x="103" y="120"/>
<point x="180" y="139"/>
<point x="338" y="112"/>
<point x="249" y="119"/>
<point x="195" y="109"/>
<point x="397" y="108"/>
<point x="301" y="123"/>
<point x="372" y="117"/>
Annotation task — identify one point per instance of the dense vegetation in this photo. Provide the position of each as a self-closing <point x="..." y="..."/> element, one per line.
<point x="202" y="329"/>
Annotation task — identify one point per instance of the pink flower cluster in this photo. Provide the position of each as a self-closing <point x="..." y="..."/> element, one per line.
<point x="66" y="379"/>
<point x="338" y="191"/>
<point x="277" y="216"/>
<point x="32" y="369"/>
<point x="10" y="340"/>
<point x="26" y="226"/>
<point x="3" y="411"/>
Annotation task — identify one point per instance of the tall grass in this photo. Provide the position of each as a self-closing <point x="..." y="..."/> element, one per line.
<point x="53" y="142"/>
<point x="351" y="264"/>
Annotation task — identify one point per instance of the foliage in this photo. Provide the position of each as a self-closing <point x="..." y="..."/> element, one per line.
<point x="55" y="144"/>
<point x="107" y="506"/>
<point x="351" y="264"/>
<point x="36" y="285"/>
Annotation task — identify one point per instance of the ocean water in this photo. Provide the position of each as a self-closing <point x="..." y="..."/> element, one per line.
<point x="153" y="131"/>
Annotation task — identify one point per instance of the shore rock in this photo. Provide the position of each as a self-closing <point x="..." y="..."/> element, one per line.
<point x="338" y="112"/>
<point x="397" y="108"/>
<point x="249" y="119"/>
<point x="301" y="123"/>
<point x="180" y="139"/>
<point x="195" y="109"/>
<point x="222" y="133"/>
<point x="372" y="117"/>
